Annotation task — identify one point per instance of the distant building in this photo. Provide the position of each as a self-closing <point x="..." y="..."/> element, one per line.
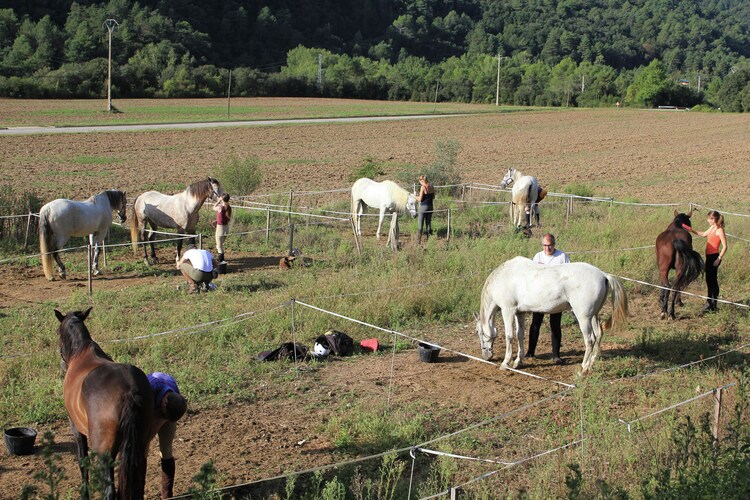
<point x="684" y="82"/>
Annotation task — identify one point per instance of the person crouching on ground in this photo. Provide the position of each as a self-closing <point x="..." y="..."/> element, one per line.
<point x="198" y="268"/>
<point x="169" y="406"/>
<point x="223" y="216"/>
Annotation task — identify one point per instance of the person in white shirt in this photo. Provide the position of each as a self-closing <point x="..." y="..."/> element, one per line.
<point x="197" y="266"/>
<point x="549" y="256"/>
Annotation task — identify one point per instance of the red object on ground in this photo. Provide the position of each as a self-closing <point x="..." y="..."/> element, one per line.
<point x="369" y="344"/>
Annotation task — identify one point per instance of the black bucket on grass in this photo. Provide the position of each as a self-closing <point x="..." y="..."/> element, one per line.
<point x="222" y="268"/>
<point x="428" y="353"/>
<point x="20" y="440"/>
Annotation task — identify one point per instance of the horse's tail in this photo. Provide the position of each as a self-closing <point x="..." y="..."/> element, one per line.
<point x="692" y="263"/>
<point x="134" y="427"/>
<point x="46" y="244"/>
<point x="619" y="304"/>
<point x="134" y="233"/>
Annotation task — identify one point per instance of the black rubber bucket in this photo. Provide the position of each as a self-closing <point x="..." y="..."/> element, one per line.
<point x="20" y="440"/>
<point x="222" y="268"/>
<point x="428" y="353"/>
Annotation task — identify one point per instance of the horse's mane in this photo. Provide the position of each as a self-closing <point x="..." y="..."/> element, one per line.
<point x="201" y="189"/>
<point x="116" y="198"/>
<point x="75" y="338"/>
<point x="400" y="195"/>
<point x="680" y="220"/>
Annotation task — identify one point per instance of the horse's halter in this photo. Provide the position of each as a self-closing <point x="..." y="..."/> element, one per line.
<point x="506" y="182"/>
<point x="122" y="213"/>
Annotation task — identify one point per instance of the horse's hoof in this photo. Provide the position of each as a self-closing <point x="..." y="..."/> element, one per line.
<point x="155" y="260"/>
<point x="96" y="272"/>
<point x="663" y="316"/>
<point x="504" y="366"/>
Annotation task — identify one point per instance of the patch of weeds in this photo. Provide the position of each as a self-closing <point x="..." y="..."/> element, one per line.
<point x="369" y="169"/>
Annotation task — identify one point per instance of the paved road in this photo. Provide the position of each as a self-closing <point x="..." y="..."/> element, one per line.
<point x="198" y="125"/>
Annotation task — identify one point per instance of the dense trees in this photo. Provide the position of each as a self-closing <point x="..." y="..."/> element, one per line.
<point x="554" y="52"/>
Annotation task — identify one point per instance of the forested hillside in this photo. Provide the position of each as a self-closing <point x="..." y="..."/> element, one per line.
<point x="569" y="52"/>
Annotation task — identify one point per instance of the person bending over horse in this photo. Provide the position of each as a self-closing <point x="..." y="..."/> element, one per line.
<point x="716" y="247"/>
<point x="551" y="256"/>
<point x="425" y="199"/>
<point x="169" y="406"/>
<point x="197" y="266"/>
<point x="223" y="215"/>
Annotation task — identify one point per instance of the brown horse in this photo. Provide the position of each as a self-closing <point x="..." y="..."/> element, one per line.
<point x="110" y="406"/>
<point x="674" y="250"/>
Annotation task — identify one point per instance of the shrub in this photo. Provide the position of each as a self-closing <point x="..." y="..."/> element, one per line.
<point x="240" y="176"/>
<point x="578" y="190"/>
<point x="442" y="171"/>
<point x="369" y="169"/>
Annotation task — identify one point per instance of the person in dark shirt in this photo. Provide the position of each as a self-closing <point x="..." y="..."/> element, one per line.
<point x="170" y="406"/>
<point x="425" y="199"/>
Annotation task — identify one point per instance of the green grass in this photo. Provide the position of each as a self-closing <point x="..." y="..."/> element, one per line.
<point x="216" y="366"/>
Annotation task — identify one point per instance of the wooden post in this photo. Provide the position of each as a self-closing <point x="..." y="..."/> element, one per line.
<point x="89" y="258"/>
<point x="26" y="239"/>
<point x="356" y="236"/>
<point x="470" y="193"/>
<point x="455" y="493"/>
<point x="463" y="192"/>
<point x="289" y="218"/>
<point x="449" y="225"/>
<point x="717" y="415"/>
<point x="291" y="238"/>
<point x="200" y="241"/>
<point x="268" y="223"/>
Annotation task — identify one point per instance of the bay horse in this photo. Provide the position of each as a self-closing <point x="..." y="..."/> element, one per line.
<point x="524" y="192"/>
<point x="674" y="250"/>
<point x="110" y="405"/>
<point x="386" y="196"/>
<point x="521" y="285"/>
<point x="178" y="211"/>
<point x="60" y="219"/>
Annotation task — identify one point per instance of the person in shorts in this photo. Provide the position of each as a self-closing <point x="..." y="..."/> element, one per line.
<point x="198" y="268"/>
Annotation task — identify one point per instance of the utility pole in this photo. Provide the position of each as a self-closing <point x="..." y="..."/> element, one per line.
<point x="497" y="89"/>
<point x="583" y="84"/>
<point x="320" y="73"/>
<point x="110" y="24"/>
<point x="229" y="93"/>
<point x="699" y="82"/>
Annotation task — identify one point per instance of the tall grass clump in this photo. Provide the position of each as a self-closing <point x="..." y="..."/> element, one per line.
<point x="577" y="189"/>
<point x="239" y="176"/>
<point x="13" y="230"/>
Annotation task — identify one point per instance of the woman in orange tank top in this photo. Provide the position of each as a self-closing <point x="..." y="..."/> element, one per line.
<point x="716" y="247"/>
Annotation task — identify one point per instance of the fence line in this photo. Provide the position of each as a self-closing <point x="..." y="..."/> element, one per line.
<point x="738" y="304"/>
<point x="396" y="451"/>
<point x="672" y="407"/>
<point x="722" y="212"/>
<point x="432" y="344"/>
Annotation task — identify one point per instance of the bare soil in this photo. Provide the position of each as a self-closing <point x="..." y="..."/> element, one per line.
<point x="651" y="156"/>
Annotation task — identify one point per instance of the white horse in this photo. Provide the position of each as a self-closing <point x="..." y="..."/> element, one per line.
<point x="60" y="219"/>
<point x="178" y="211"/>
<point x="525" y="190"/>
<point x="521" y="285"/>
<point x="386" y="196"/>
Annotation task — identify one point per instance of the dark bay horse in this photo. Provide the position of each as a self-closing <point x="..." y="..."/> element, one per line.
<point x="178" y="211"/>
<point x="110" y="406"/>
<point x="674" y="250"/>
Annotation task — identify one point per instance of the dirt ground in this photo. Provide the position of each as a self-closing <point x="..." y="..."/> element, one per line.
<point x="648" y="155"/>
<point x="654" y="156"/>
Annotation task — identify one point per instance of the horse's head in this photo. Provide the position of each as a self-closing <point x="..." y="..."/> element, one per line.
<point x="486" y="335"/>
<point x="74" y="335"/>
<point x="510" y="176"/>
<point x="411" y="204"/>
<point x="682" y="219"/>
<point x="122" y="212"/>
<point x="216" y="188"/>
